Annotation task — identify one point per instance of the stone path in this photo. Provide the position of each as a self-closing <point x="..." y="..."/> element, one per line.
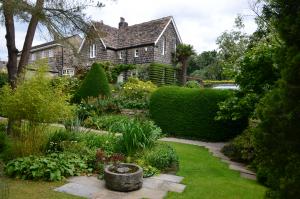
<point x="215" y="149"/>
<point x="155" y="187"/>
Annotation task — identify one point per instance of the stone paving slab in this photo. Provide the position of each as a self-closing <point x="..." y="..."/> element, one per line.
<point x="155" y="187"/>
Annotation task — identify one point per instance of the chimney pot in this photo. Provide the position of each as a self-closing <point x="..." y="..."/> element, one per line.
<point x="122" y="23"/>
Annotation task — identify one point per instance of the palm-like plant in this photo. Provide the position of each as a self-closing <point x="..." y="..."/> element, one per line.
<point x="183" y="53"/>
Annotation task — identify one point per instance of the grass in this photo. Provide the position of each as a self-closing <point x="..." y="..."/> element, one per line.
<point x="207" y="177"/>
<point x="25" y="189"/>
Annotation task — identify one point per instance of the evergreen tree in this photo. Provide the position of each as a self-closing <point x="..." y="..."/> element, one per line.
<point x="95" y="84"/>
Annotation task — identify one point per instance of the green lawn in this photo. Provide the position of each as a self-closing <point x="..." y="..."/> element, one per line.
<point x="207" y="177"/>
<point x="24" y="189"/>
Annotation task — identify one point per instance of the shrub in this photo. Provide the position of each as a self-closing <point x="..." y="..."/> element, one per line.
<point x="242" y="148"/>
<point x="95" y="84"/>
<point x="162" y="157"/>
<point x="138" y="135"/>
<point x="192" y="84"/>
<point x="105" y="122"/>
<point x="53" y="167"/>
<point x="162" y="74"/>
<point x="186" y="112"/>
<point x="136" y="94"/>
<point x="54" y="143"/>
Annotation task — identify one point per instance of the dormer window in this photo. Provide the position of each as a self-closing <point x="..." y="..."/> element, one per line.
<point x="136" y="53"/>
<point x="92" y="51"/>
<point x="120" y="55"/>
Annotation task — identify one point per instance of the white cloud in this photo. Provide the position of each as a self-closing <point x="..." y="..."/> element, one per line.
<point x="199" y="22"/>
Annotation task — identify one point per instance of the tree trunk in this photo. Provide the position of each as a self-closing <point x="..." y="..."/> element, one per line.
<point x="29" y="38"/>
<point x="10" y="43"/>
<point x="184" y="71"/>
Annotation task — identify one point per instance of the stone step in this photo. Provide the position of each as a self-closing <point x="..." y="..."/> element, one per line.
<point x="248" y="176"/>
<point x="241" y="169"/>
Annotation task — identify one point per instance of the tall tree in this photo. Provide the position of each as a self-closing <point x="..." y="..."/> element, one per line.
<point x="183" y="53"/>
<point x="231" y="47"/>
<point x="279" y="131"/>
<point x="59" y="17"/>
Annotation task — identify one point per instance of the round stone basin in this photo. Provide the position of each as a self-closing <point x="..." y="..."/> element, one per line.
<point x="123" y="177"/>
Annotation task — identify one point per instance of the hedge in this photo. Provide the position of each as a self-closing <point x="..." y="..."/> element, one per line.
<point x="162" y="74"/>
<point x="190" y="113"/>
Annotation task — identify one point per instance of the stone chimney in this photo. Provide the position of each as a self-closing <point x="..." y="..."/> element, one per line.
<point x="122" y="23"/>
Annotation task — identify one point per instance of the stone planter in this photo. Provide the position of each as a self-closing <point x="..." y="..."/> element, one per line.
<point x="123" y="177"/>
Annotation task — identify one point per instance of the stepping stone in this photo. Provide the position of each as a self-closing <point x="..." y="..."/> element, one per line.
<point x="248" y="176"/>
<point x="167" y="177"/>
<point x="241" y="169"/>
<point x="157" y="184"/>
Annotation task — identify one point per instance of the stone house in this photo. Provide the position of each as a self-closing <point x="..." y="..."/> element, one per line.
<point x="148" y="42"/>
<point x="3" y="67"/>
<point x="61" y="55"/>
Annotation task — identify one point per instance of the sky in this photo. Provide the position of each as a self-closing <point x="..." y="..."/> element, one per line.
<point x="199" y="22"/>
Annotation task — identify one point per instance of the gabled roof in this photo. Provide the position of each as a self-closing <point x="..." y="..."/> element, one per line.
<point x="135" y="35"/>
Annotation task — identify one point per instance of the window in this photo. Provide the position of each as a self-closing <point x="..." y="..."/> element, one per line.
<point x="68" y="72"/>
<point x="43" y="54"/>
<point x="120" y="55"/>
<point x="146" y="49"/>
<point x="163" y="51"/>
<point x="136" y="53"/>
<point x="92" y="51"/>
<point x="32" y="56"/>
<point x="51" y="54"/>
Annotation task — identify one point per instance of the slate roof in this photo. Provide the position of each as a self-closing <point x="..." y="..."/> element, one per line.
<point x="135" y="35"/>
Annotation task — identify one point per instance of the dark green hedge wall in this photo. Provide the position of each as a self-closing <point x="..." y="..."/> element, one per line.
<point x="187" y="112"/>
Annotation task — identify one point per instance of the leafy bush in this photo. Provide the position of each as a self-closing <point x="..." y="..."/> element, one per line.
<point x="55" y="140"/>
<point x="192" y="84"/>
<point x="242" y="148"/>
<point x="53" y="167"/>
<point x="105" y="122"/>
<point x="162" y="157"/>
<point x="135" y="94"/>
<point x="35" y="100"/>
<point x="186" y="112"/>
<point x="138" y="135"/>
<point x="95" y="84"/>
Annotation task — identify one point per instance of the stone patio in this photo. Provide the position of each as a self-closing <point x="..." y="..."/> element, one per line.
<point x="155" y="187"/>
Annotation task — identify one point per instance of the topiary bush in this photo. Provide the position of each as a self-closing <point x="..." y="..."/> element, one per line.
<point x="162" y="157"/>
<point x="95" y="84"/>
<point x="186" y="112"/>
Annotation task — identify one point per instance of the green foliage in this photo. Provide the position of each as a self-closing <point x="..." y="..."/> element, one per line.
<point x="118" y="69"/>
<point x="162" y="74"/>
<point x="136" y="94"/>
<point x="95" y="84"/>
<point x="242" y="148"/>
<point x="138" y="135"/>
<point x="35" y="100"/>
<point x="3" y="79"/>
<point x="107" y="122"/>
<point x="162" y="157"/>
<point x="148" y="170"/>
<point x="53" y="167"/>
<point x="192" y="84"/>
<point x="186" y="112"/>
<point x="3" y="141"/>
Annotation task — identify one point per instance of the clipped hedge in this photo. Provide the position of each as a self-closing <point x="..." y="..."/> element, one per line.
<point x="187" y="112"/>
<point x="162" y="74"/>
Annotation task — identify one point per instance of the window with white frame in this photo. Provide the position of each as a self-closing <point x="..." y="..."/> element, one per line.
<point x="92" y="51"/>
<point x="146" y="49"/>
<point x="43" y="54"/>
<point x="120" y="55"/>
<point x="164" y="42"/>
<point x="136" y="53"/>
<point x="32" y="56"/>
<point x="51" y="53"/>
<point x="68" y="72"/>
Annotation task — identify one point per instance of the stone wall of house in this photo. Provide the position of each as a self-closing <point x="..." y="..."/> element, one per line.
<point x="145" y="55"/>
<point x="171" y="40"/>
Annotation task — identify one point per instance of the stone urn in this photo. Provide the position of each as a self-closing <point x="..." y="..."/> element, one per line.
<point x="123" y="177"/>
